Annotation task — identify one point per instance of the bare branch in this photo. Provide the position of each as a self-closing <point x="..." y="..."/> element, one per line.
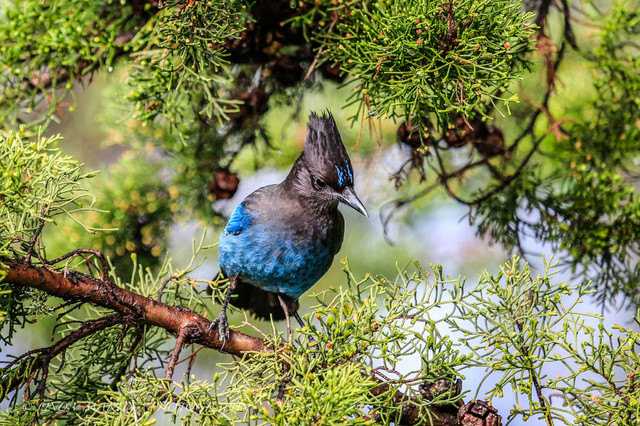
<point x="79" y="252"/>
<point x="173" y="359"/>
<point x="164" y="284"/>
<point x="146" y="311"/>
<point x="43" y="356"/>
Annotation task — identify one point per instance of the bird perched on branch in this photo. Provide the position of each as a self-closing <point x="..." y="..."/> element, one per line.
<point x="282" y="238"/>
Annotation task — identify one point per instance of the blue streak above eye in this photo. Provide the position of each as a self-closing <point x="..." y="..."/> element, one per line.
<point x="345" y="175"/>
<point x="238" y="221"/>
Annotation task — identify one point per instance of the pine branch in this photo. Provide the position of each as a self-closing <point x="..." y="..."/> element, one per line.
<point x="139" y="310"/>
<point x="43" y="357"/>
<point x="136" y="310"/>
<point x="47" y="78"/>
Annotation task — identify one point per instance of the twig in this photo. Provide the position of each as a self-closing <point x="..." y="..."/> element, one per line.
<point x="191" y="357"/>
<point x="78" y="252"/>
<point x="396" y="206"/>
<point x="136" y="342"/>
<point x="545" y="102"/>
<point x="364" y="102"/>
<point x="445" y="182"/>
<point x="45" y="355"/>
<point x="55" y="327"/>
<point x="59" y="415"/>
<point x="36" y="235"/>
<point x="182" y="335"/>
<point x="75" y="306"/>
<point x="477" y="201"/>
<point x="334" y="21"/>
<point x="164" y="284"/>
<point x="247" y="323"/>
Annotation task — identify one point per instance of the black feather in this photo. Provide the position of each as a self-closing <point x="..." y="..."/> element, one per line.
<point x="324" y="152"/>
<point x="262" y="304"/>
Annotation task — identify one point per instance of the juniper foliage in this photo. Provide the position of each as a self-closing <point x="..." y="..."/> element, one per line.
<point x="513" y="326"/>
<point x="199" y="76"/>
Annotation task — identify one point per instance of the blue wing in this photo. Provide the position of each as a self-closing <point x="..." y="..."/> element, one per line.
<point x="239" y="221"/>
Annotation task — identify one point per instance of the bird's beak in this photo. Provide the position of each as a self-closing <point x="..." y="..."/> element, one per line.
<point x="349" y="197"/>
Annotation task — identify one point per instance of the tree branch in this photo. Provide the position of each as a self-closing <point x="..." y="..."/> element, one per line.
<point x="413" y="411"/>
<point x="190" y="327"/>
<point x="45" y="355"/>
<point x="173" y="359"/>
<point x="147" y="311"/>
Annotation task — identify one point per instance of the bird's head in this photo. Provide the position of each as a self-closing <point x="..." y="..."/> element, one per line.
<point x="324" y="169"/>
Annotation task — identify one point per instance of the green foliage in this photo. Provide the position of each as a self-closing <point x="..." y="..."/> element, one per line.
<point x="181" y="75"/>
<point x="613" y="134"/>
<point x="513" y="323"/>
<point x="47" y="46"/>
<point x="136" y="207"/>
<point x="192" y="402"/>
<point x="38" y="184"/>
<point x="408" y="332"/>
<point x="519" y="328"/>
<point x="441" y="58"/>
<point x="610" y="376"/>
<point x="417" y="58"/>
<point x="176" y="53"/>
<point x="582" y="197"/>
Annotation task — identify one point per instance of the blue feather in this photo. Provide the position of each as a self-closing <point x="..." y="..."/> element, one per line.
<point x="238" y="221"/>
<point x="271" y="259"/>
<point x="345" y="175"/>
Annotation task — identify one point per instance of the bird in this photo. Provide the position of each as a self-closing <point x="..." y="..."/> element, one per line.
<point x="282" y="238"/>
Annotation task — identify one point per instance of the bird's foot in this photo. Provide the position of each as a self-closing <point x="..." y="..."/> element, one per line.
<point x="223" y="326"/>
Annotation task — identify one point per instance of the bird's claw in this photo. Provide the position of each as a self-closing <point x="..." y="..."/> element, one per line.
<point x="223" y="326"/>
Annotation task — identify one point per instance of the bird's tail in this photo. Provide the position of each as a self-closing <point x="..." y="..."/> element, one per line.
<point x="262" y="304"/>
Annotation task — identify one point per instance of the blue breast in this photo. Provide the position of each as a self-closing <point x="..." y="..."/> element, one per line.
<point x="274" y="256"/>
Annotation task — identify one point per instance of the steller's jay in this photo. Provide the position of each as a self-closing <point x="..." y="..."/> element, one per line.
<point x="282" y="238"/>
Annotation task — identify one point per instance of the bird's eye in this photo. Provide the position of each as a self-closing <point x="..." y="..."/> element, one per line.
<point x="320" y="183"/>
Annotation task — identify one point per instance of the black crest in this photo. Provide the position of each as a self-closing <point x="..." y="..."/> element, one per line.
<point x="325" y="153"/>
